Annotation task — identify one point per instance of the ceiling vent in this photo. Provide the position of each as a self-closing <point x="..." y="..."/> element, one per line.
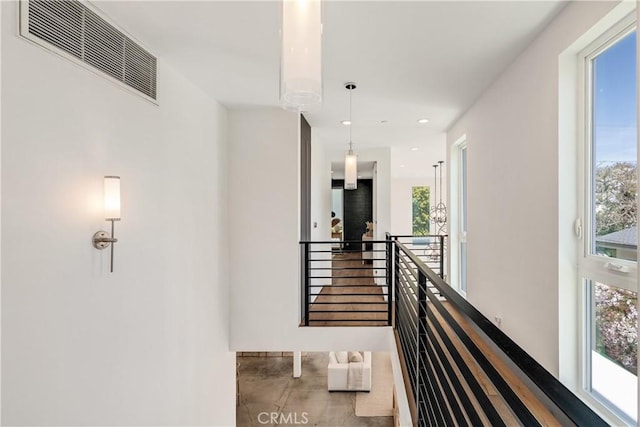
<point x="71" y="29"/>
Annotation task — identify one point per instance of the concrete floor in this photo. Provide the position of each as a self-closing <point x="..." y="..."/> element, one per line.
<point x="266" y="386"/>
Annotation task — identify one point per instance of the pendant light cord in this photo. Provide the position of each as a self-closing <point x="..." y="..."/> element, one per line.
<point x="350" y="123"/>
<point x="440" y="163"/>
<point x="435" y="186"/>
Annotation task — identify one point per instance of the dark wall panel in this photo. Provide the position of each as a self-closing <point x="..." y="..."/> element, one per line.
<point x="305" y="179"/>
<point x="358" y="209"/>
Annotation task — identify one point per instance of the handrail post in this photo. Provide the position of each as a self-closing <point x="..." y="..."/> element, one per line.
<point x="389" y="256"/>
<point x="306" y="283"/>
<point x="422" y="331"/>
<point x="396" y="277"/>
<point x="442" y="256"/>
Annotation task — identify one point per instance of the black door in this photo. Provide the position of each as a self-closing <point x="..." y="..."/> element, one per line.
<point x="358" y="209"/>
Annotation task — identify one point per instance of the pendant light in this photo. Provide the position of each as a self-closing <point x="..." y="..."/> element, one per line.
<point x="350" y="158"/>
<point x="301" y="55"/>
<point x="438" y="213"/>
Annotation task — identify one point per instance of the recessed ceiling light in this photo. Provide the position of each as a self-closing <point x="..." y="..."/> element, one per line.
<point x="401" y="166"/>
<point x="414" y="148"/>
<point x="384" y="121"/>
<point x="346" y="122"/>
<point x="423" y="121"/>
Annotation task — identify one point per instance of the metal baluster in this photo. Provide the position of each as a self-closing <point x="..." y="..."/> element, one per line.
<point x="307" y="283"/>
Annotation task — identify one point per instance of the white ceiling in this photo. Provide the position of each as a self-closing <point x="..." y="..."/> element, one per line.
<point x="410" y="59"/>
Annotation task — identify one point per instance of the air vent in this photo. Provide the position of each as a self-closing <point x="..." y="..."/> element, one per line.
<point x="71" y="29"/>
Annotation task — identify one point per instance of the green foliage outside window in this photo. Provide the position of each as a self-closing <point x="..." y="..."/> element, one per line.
<point x="420" y="198"/>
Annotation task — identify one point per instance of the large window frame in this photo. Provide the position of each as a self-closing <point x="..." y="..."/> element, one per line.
<point x="594" y="268"/>
<point x="463" y="174"/>
<point x="591" y="264"/>
<point x="458" y="205"/>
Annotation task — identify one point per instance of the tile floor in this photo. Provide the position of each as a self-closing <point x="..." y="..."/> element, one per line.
<point x="267" y="386"/>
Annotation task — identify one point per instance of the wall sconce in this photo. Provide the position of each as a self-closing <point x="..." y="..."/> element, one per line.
<point x="103" y="239"/>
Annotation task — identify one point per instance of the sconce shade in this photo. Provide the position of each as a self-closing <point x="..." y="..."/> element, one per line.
<point x="112" y="197"/>
<point x="301" y="58"/>
<point x="350" y="171"/>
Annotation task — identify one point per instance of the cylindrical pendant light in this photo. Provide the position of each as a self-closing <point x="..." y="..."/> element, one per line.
<point x="350" y="158"/>
<point x="350" y="171"/>
<point x="301" y="61"/>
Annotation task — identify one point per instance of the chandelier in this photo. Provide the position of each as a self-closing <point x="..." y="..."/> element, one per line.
<point x="438" y="212"/>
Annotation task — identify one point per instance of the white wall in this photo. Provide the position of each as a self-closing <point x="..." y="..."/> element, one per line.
<point x="321" y="195"/>
<point x="147" y="344"/>
<point x="263" y="251"/>
<point x="382" y="157"/>
<point x="513" y="165"/>
<point x="321" y="207"/>
<point x="0" y="213"/>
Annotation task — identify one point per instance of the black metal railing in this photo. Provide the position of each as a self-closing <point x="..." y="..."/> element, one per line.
<point x="431" y="249"/>
<point x="460" y="368"/>
<point x="346" y="287"/>
<point x="350" y="282"/>
<point x="455" y="360"/>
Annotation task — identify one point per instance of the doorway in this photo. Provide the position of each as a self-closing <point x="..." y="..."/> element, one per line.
<point x="357" y="210"/>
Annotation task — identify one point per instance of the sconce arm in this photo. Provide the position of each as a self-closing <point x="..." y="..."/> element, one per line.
<point x="102" y="240"/>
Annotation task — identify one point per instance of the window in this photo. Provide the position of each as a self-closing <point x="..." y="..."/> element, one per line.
<point x="420" y="209"/>
<point x="612" y="346"/>
<point x="608" y="252"/>
<point x="458" y="215"/>
<point x="462" y="265"/>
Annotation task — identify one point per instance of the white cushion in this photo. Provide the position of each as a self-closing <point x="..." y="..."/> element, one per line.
<point x="342" y="356"/>
<point x="338" y="373"/>
<point x="355" y="356"/>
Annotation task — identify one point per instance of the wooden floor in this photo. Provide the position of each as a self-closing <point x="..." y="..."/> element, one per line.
<point x="350" y="298"/>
